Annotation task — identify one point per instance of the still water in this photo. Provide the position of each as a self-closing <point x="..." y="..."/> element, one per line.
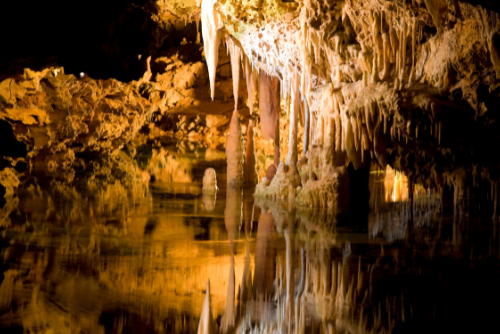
<point x="128" y="245"/>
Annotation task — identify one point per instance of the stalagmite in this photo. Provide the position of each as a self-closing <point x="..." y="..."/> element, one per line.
<point x="211" y="22"/>
<point x="234" y="152"/>
<point x="207" y="324"/>
<point x="209" y="182"/>
<point x="235" y="55"/>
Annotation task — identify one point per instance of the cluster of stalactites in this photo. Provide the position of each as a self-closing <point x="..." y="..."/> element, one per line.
<point x="383" y="54"/>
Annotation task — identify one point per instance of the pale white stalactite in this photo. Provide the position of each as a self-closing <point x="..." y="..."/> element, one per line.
<point x="207" y="324"/>
<point x="292" y="156"/>
<point x="211" y="23"/>
<point x="235" y="55"/>
<point x="303" y="41"/>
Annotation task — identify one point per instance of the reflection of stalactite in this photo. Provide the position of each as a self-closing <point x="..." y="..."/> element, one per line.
<point x="207" y="324"/>
<point x="232" y="219"/>
<point x="265" y="253"/>
<point x="229" y="317"/>
<point x="290" y="277"/>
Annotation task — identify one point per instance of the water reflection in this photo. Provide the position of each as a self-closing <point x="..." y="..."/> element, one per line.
<point x="113" y="251"/>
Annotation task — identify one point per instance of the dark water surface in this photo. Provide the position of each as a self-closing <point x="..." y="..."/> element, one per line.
<point x="113" y="250"/>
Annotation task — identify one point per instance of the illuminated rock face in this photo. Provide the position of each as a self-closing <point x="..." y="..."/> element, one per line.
<point x="58" y="115"/>
<point x="410" y="84"/>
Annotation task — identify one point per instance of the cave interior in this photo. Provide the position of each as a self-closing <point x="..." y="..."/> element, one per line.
<point x="274" y="166"/>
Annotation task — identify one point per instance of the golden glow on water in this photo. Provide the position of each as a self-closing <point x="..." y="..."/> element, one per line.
<point x="117" y="250"/>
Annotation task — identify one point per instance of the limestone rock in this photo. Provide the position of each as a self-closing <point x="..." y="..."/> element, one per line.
<point x="58" y="115"/>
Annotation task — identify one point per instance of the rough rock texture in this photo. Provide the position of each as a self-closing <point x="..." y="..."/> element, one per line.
<point x="413" y="84"/>
<point x="282" y="187"/>
<point x="58" y="115"/>
<point x="326" y="187"/>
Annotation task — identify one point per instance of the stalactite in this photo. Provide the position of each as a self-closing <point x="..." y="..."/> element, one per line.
<point x="210" y="24"/>
<point x="307" y="127"/>
<point x="235" y="56"/>
<point x="394" y="42"/>
<point x="387" y="63"/>
<point x="252" y="84"/>
<point x="375" y="73"/>
<point x="277" y="151"/>
<point x="368" y="117"/>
